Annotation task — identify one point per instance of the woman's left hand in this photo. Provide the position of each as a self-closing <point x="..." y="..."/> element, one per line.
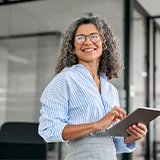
<point x="136" y="132"/>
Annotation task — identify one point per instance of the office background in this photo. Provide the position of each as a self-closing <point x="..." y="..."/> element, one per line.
<point x="30" y="33"/>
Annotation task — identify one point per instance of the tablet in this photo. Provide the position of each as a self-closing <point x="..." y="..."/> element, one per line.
<point x="140" y="115"/>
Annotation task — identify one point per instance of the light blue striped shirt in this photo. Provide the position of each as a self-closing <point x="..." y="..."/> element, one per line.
<point x="72" y="97"/>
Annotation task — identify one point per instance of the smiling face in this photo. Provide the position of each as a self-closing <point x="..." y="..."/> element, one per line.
<point x="89" y="51"/>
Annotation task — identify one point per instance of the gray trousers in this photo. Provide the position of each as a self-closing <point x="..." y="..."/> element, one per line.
<point x="91" y="148"/>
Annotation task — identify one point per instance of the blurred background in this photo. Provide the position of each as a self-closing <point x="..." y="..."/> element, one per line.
<point x="30" y="32"/>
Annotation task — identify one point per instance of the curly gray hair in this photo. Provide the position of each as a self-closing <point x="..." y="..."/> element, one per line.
<point x="110" y="61"/>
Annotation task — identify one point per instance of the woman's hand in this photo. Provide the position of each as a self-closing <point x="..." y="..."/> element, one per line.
<point x="136" y="132"/>
<point x="112" y="116"/>
<point x="75" y="131"/>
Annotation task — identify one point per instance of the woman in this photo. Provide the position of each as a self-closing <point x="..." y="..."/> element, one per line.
<point x="79" y="104"/>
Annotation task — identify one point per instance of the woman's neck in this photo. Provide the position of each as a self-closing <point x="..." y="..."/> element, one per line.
<point x="92" y="68"/>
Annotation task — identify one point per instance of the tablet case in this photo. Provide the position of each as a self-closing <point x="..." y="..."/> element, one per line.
<point x="140" y="115"/>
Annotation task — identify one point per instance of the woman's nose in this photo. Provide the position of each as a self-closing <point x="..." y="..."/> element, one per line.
<point x="88" y="41"/>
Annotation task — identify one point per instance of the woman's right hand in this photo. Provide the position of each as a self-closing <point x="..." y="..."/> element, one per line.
<point x="75" y="131"/>
<point x="111" y="117"/>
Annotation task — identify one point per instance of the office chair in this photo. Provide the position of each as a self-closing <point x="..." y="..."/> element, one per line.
<point x="20" y="140"/>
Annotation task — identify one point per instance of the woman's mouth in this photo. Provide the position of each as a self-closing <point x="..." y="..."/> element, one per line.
<point x="88" y="49"/>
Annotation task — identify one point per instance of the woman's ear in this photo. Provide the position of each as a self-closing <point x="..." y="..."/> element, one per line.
<point x="104" y="46"/>
<point x="74" y="52"/>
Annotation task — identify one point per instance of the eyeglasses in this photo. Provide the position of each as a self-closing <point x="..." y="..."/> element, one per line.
<point x="94" y="37"/>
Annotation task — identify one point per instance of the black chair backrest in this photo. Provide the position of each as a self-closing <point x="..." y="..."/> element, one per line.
<point x="20" y="140"/>
<point x="20" y="132"/>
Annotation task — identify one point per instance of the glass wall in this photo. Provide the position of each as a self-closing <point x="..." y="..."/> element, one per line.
<point x="139" y="74"/>
<point x="3" y="62"/>
<point x="157" y="94"/>
<point x="3" y="79"/>
<point x="151" y="86"/>
<point x="30" y="67"/>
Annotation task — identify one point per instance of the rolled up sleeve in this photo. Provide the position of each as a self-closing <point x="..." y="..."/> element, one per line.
<point x="52" y="121"/>
<point x="121" y="147"/>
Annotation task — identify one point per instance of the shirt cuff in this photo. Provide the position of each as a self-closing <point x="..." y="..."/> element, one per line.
<point x="52" y="134"/>
<point x="59" y="129"/>
<point x="121" y="147"/>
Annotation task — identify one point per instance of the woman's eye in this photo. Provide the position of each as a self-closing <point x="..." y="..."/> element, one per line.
<point x="80" y="38"/>
<point x="94" y="37"/>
